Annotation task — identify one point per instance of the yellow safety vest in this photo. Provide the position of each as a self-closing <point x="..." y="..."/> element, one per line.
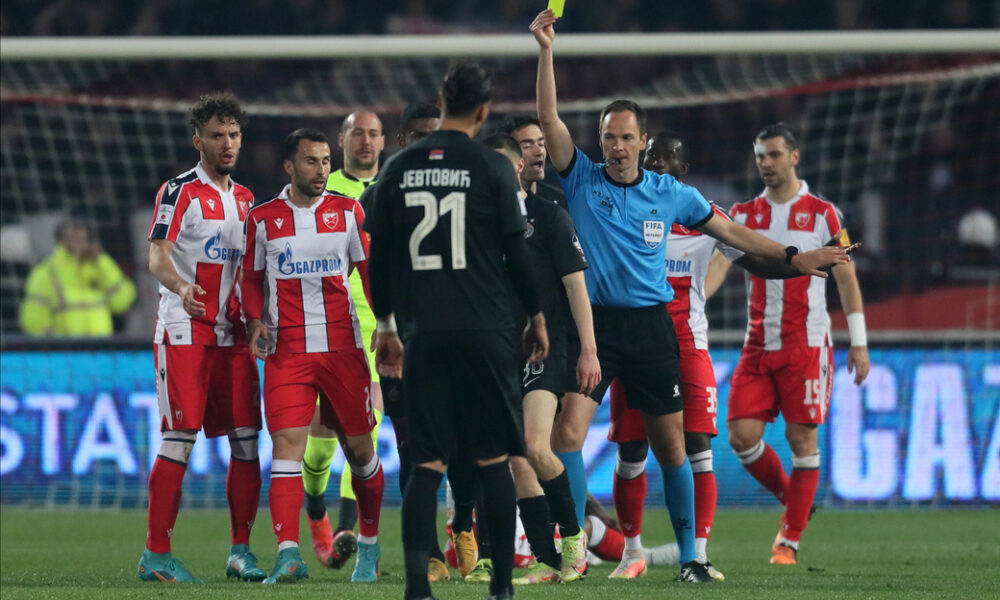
<point x="68" y="297"/>
<point x="348" y="185"/>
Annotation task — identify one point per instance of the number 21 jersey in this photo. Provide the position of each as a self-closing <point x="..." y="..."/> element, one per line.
<point x="445" y="204"/>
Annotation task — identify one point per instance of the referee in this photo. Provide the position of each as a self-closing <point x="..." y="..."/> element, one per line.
<point x="623" y="214"/>
<point x="447" y="232"/>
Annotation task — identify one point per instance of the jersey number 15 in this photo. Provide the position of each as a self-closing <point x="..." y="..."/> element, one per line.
<point x="433" y="208"/>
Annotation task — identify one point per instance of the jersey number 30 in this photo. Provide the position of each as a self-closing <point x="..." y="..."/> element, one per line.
<point x="433" y="209"/>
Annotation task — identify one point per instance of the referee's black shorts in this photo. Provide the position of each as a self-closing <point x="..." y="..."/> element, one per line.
<point x="639" y="346"/>
<point x="461" y="394"/>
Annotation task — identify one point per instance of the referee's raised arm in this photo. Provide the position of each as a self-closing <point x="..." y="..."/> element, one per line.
<point x="558" y="140"/>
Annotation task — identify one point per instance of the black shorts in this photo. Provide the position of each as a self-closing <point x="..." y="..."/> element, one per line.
<point x="461" y="394"/>
<point x="639" y="346"/>
<point x="557" y="373"/>
<point x="392" y="397"/>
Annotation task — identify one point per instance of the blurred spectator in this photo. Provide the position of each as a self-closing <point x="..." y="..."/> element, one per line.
<point x="76" y="290"/>
<point x="978" y="237"/>
<point x="978" y="228"/>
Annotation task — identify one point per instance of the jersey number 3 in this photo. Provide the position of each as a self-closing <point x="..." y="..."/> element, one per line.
<point x="433" y="209"/>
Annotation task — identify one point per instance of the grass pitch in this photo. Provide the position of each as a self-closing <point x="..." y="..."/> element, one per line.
<point x="911" y="554"/>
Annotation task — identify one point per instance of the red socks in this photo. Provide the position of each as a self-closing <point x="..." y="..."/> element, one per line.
<point x="801" y="492"/>
<point x="243" y="496"/>
<point x="763" y="463"/>
<point x="285" y="499"/>
<point x="165" y="480"/>
<point x="369" y="494"/>
<point x="629" y="496"/>
<point x="609" y="545"/>
<point x="704" y="503"/>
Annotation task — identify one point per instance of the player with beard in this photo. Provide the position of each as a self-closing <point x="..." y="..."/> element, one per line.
<point x="786" y="364"/>
<point x="300" y="247"/>
<point x="206" y="376"/>
<point x="361" y="141"/>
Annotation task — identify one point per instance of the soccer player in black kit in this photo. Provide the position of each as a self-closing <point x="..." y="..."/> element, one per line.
<point x="542" y="484"/>
<point x="447" y="232"/>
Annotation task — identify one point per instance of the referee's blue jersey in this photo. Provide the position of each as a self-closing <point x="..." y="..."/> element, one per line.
<point x="623" y="229"/>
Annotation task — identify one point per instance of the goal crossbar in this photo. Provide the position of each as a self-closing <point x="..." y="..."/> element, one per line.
<point x="504" y="45"/>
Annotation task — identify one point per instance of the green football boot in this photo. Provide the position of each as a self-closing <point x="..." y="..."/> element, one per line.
<point x="482" y="573"/>
<point x="366" y="567"/>
<point x="154" y="566"/>
<point x="242" y="564"/>
<point x="288" y="567"/>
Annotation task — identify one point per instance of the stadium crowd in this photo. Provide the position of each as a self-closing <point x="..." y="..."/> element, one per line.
<point x="259" y="17"/>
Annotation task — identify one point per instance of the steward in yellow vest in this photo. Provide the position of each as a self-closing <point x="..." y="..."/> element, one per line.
<point x="74" y="291"/>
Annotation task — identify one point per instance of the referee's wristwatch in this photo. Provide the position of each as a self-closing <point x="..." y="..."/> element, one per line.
<point x="790" y="251"/>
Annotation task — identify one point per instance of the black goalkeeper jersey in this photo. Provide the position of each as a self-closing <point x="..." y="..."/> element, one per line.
<point x="442" y="208"/>
<point x="555" y="252"/>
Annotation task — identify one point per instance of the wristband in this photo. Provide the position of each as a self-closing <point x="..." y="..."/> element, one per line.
<point x="856" y="327"/>
<point x="386" y="325"/>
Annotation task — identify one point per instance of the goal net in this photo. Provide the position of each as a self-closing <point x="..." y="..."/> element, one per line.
<point x="907" y="144"/>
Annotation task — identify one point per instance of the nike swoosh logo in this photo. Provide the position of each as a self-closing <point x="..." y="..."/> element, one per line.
<point x="532" y="380"/>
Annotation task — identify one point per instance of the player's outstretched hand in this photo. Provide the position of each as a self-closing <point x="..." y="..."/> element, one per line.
<point x="588" y="371"/>
<point x="187" y="293"/>
<point x="815" y="261"/>
<point x="543" y="28"/>
<point x="535" y="340"/>
<point x="389" y="354"/>
<point x="257" y="338"/>
<point x="858" y="363"/>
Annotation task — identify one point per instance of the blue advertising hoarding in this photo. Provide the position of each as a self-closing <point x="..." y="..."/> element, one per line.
<point x="82" y="428"/>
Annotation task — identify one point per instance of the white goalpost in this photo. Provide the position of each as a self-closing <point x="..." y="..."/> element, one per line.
<point x="505" y="45"/>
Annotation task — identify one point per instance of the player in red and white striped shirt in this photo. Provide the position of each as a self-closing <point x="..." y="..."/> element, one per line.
<point x="303" y="244"/>
<point x="787" y="361"/>
<point x="206" y="375"/>
<point x="689" y="256"/>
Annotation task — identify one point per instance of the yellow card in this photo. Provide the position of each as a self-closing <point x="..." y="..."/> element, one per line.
<point x="556" y="6"/>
